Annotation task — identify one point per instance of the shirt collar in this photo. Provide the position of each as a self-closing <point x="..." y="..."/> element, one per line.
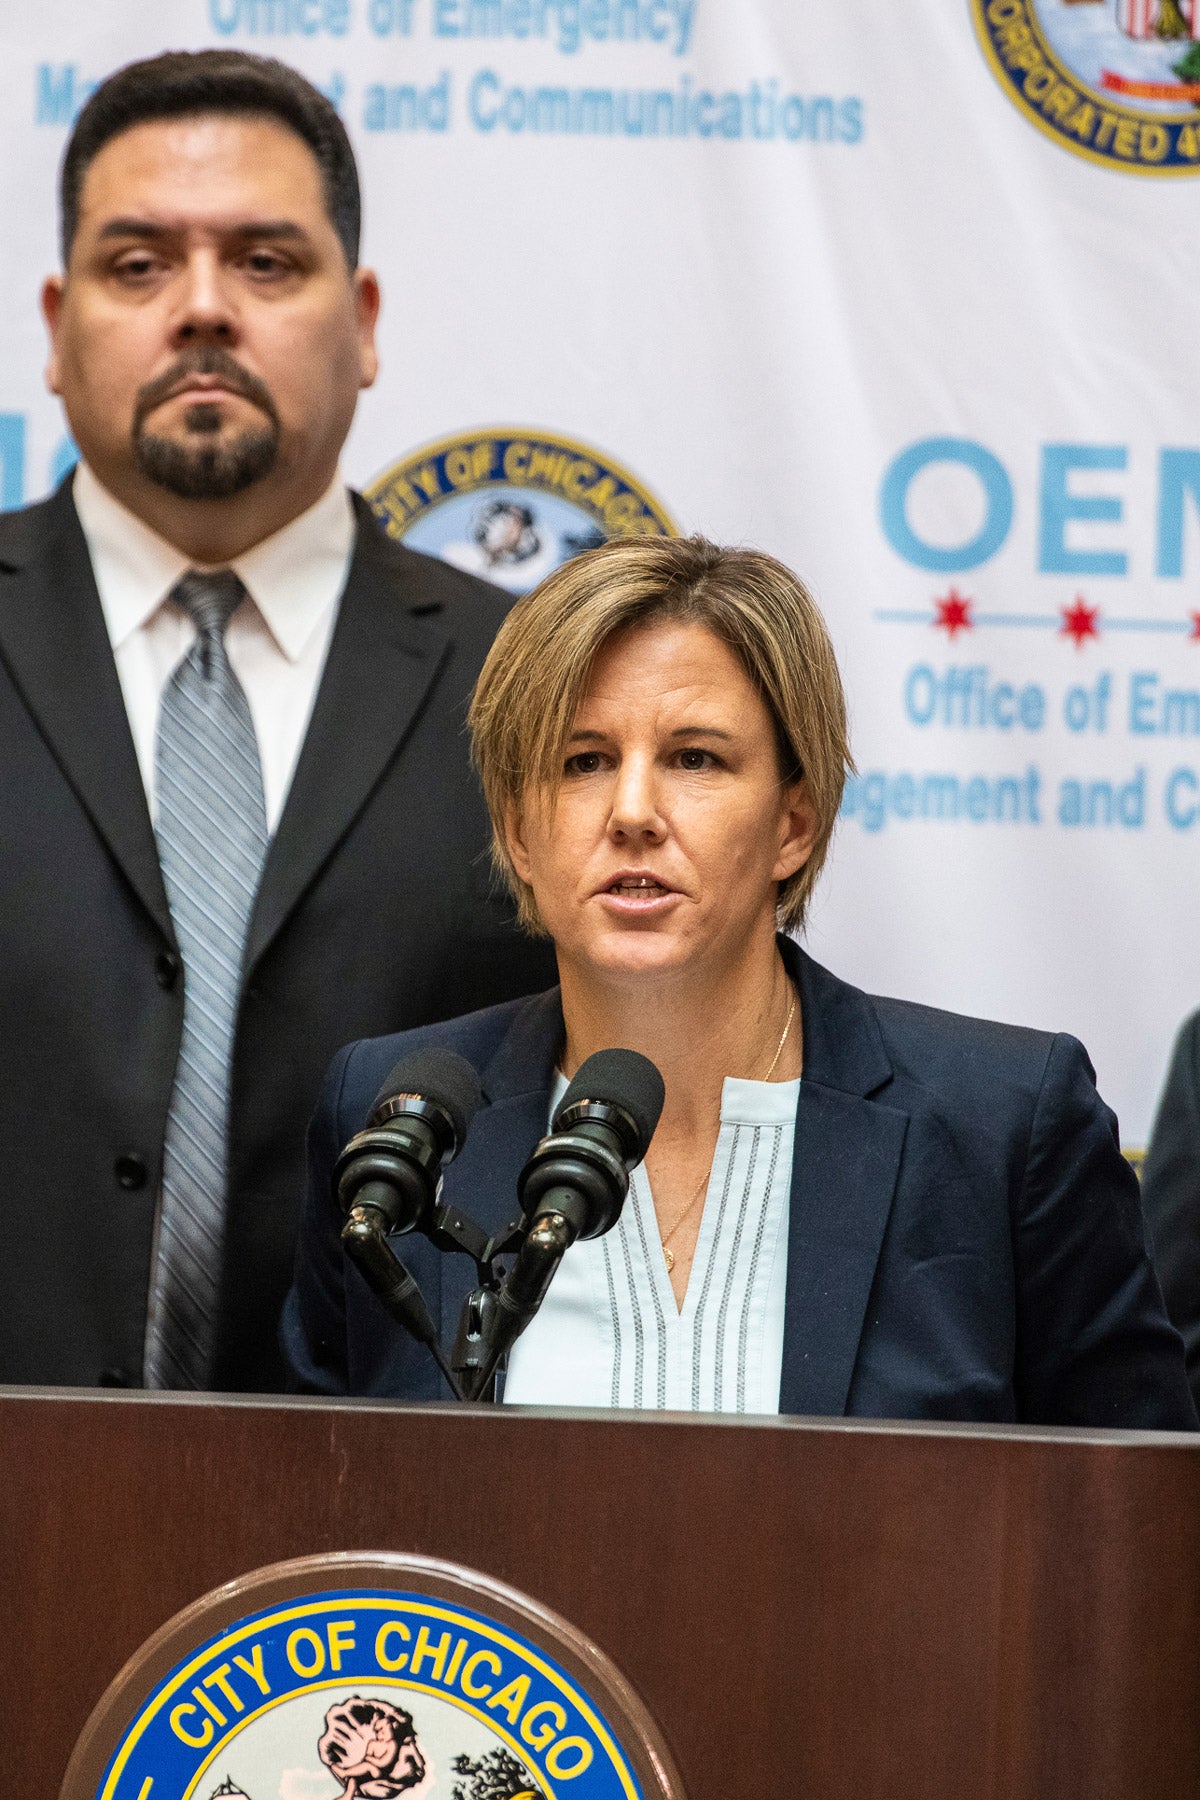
<point x="294" y="577"/>
<point x="135" y="569"/>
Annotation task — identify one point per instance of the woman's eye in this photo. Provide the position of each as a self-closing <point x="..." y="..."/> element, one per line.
<point x="696" y="759"/>
<point x="584" y="762"/>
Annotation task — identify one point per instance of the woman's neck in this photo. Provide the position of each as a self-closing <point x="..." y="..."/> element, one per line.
<point x="697" y="1029"/>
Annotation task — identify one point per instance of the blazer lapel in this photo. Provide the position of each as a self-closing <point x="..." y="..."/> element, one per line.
<point x="846" y="1164"/>
<point x="381" y="663"/>
<point x="482" y="1182"/>
<point x="55" y="644"/>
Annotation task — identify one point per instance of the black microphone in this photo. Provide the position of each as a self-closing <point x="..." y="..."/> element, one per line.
<point x="574" y="1185"/>
<point x="387" y="1177"/>
<point x="417" y="1124"/>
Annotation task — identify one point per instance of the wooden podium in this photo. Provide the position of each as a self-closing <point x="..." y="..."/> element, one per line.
<point x="819" y="1610"/>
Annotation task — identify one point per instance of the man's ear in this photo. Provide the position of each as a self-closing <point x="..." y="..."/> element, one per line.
<point x="52" y="299"/>
<point x="367" y="303"/>
<point x="797" y="829"/>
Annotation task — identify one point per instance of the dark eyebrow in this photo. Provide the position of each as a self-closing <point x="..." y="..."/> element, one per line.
<point x="285" y="230"/>
<point x="141" y="228"/>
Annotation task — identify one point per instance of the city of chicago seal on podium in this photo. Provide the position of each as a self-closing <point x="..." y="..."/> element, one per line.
<point x="510" y="503"/>
<point x="1115" y="81"/>
<point x="369" y="1677"/>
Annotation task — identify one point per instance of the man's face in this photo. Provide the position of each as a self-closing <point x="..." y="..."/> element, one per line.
<point x="208" y="336"/>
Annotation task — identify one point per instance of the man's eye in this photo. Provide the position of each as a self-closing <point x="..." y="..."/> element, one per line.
<point x="138" y="266"/>
<point x="266" y="263"/>
<point x="584" y="762"/>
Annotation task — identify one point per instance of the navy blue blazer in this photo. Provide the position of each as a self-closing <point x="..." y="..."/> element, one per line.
<point x="965" y="1238"/>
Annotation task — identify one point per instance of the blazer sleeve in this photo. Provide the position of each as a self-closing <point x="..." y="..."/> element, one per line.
<point x="312" y="1330"/>
<point x="1094" y="1345"/>
<point x="1171" y="1193"/>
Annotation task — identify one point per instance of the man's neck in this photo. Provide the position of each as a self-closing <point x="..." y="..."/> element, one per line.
<point x="216" y="532"/>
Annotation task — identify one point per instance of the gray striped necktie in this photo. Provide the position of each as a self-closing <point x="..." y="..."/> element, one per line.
<point x="212" y="837"/>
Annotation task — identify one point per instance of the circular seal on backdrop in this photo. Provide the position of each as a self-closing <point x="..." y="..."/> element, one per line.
<point x="369" y="1677"/>
<point x="510" y="504"/>
<point x="1115" y="81"/>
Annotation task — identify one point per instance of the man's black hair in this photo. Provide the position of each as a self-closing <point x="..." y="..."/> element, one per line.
<point x="184" y="83"/>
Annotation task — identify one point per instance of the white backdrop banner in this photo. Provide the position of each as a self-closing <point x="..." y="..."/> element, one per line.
<point x="903" y="294"/>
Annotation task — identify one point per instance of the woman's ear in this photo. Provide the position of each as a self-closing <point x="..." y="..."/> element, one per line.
<point x="514" y="841"/>
<point x="797" y="829"/>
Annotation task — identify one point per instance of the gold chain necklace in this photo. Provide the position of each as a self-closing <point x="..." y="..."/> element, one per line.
<point x="665" y="1237"/>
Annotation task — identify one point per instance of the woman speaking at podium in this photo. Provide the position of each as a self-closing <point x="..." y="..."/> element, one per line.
<point x="850" y="1205"/>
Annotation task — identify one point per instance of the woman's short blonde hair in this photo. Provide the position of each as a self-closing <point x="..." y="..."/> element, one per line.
<point x="537" y="671"/>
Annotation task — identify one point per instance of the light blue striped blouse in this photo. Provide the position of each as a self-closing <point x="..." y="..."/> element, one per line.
<point x="609" y="1332"/>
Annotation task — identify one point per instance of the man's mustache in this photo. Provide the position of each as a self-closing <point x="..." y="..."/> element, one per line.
<point x="211" y="361"/>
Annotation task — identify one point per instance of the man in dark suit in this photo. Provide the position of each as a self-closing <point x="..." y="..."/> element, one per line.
<point x="1171" y="1193"/>
<point x="964" y="1237"/>
<point x="238" y="812"/>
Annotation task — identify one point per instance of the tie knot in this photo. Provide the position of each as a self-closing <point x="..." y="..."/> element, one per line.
<point x="209" y="600"/>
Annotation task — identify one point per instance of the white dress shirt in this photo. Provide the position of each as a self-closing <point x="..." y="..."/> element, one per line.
<point x="277" y="645"/>
<point x="609" y="1332"/>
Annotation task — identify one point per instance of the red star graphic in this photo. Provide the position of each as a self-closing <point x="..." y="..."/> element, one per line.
<point x="1194" y="633"/>
<point x="1079" y="621"/>
<point x="953" y="614"/>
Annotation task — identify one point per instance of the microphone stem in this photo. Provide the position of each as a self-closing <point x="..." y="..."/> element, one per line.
<point x="364" y="1235"/>
<point x="549" y="1238"/>
<point x="450" y="1377"/>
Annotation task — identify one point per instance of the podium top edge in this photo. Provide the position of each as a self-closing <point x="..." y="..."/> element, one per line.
<point x="600" y="1416"/>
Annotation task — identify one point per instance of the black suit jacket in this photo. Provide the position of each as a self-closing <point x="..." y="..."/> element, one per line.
<point x="965" y="1239"/>
<point x="1171" y="1192"/>
<point x="377" y="911"/>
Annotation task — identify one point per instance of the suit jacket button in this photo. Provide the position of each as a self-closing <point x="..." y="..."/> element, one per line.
<point x="166" y="969"/>
<point x="113" y="1378"/>
<point x="130" y="1171"/>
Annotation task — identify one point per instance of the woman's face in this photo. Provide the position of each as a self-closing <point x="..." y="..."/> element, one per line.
<point x="672" y="829"/>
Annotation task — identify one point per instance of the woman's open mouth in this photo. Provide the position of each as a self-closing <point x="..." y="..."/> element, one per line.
<point x="637" y="892"/>
<point x="642" y="888"/>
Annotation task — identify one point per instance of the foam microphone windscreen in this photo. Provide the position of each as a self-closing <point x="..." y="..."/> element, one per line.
<point x="623" y="1078"/>
<point x="442" y="1076"/>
